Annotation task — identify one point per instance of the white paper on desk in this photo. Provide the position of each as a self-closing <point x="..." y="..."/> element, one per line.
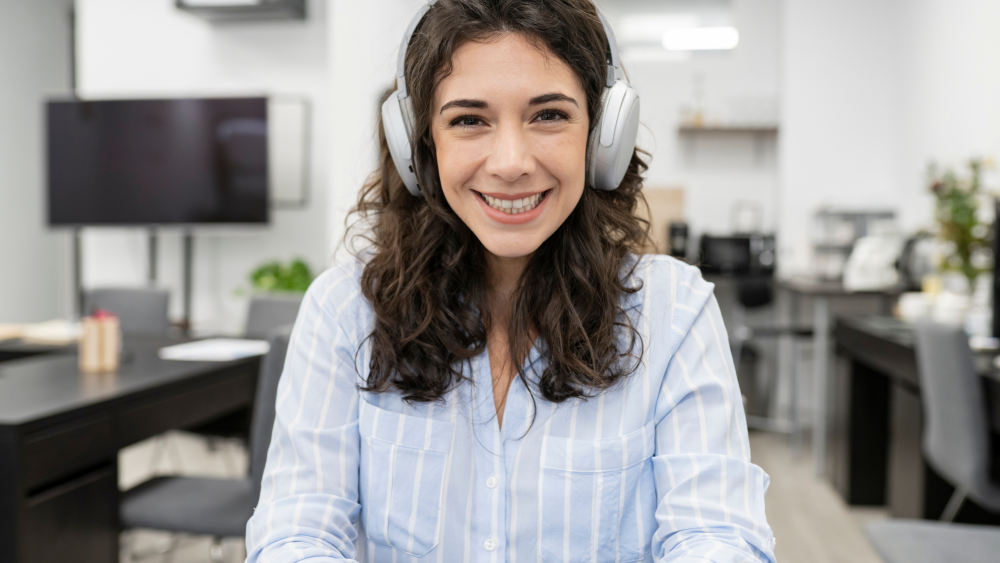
<point x="215" y="350"/>
<point x="56" y="333"/>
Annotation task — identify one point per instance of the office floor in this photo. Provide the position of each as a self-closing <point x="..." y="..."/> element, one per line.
<point x="810" y="521"/>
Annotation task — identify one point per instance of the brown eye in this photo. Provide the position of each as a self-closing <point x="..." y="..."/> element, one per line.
<point x="466" y="121"/>
<point x="551" y="115"/>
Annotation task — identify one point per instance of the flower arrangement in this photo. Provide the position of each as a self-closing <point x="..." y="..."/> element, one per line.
<point x="964" y="217"/>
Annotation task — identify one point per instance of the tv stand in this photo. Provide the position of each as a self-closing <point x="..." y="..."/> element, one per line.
<point x="187" y="273"/>
<point x="187" y="266"/>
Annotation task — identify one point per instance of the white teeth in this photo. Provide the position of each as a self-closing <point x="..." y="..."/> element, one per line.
<point x="514" y="206"/>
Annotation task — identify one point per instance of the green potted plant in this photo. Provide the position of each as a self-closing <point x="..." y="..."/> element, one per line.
<point x="276" y="277"/>
<point x="960" y="203"/>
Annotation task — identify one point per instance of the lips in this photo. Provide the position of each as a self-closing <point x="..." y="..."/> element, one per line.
<point x="514" y="206"/>
<point x="503" y="210"/>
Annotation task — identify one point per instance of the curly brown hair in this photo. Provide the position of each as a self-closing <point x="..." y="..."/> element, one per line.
<point x="426" y="274"/>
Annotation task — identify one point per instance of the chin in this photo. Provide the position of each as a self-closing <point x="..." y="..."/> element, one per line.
<point x="509" y="248"/>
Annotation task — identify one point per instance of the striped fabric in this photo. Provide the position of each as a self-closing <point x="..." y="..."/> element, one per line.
<point x="656" y="469"/>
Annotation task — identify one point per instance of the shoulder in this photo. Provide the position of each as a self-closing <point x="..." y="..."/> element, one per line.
<point x="664" y="281"/>
<point x="671" y="295"/>
<point x="339" y="281"/>
<point x="335" y="297"/>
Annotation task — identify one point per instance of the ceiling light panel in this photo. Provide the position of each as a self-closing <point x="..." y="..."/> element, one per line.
<point x="701" y="39"/>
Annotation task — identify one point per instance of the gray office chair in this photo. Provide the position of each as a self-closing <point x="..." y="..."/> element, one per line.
<point x="212" y="506"/>
<point x="139" y="310"/>
<point x="956" y="445"/>
<point x="956" y="428"/>
<point x="916" y="541"/>
<point x="267" y="312"/>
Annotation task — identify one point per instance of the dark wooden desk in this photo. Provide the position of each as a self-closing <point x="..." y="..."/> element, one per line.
<point x="60" y="433"/>
<point x="875" y="447"/>
<point x="15" y="349"/>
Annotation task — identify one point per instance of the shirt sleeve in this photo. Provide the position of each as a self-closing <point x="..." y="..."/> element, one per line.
<point x="308" y="504"/>
<point x="710" y="496"/>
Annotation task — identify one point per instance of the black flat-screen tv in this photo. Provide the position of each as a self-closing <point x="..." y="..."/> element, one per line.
<point x="157" y="162"/>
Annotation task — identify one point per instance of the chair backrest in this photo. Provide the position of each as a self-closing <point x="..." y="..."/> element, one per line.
<point x="262" y="422"/>
<point x="268" y="312"/>
<point x="955" y="434"/>
<point x="139" y="310"/>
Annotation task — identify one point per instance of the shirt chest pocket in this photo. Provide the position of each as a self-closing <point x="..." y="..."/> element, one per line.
<point x="588" y="498"/>
<point x="402" y="469"/>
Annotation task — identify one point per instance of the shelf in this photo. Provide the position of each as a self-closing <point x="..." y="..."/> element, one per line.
<point x="843" y="248"/>
<point x="847" y="214"/>
<point x="754" y="129"/>
<point x="250" y="10"/>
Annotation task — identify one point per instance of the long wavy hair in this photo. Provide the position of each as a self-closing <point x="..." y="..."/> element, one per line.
<point x="425" y="271"/>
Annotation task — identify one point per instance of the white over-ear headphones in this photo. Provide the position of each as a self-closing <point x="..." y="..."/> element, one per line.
<point x="612" y="140"/>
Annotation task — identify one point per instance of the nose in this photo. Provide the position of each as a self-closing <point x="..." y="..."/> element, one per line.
<point x="511" y="158"/>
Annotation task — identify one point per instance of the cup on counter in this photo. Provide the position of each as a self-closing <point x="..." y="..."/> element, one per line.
<point x="950" y="308"/>
<point x="914" y="306"/>
<point x="100" y="343"/>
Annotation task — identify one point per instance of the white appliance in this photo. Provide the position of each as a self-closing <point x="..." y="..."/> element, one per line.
<point x="872" y="264"/>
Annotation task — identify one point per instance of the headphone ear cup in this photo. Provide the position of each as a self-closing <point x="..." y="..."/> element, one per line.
<point x="398" y="138"/>
<point x="613" y="141"/>
<point x="595" y="141"/>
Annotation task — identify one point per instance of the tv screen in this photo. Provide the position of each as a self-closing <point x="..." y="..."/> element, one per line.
<point x="151" y="162"/>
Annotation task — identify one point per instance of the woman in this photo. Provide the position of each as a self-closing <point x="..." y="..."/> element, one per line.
<point x="501" y="377"/>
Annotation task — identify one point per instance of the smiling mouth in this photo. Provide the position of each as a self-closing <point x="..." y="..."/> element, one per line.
<point x="514" y="206"/>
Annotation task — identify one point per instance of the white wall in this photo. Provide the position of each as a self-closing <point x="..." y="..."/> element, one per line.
<point x="34" y="64"/>
<point x="949" y="93"/>
<point x="364" y="42"/>
<point x="148" y="48"/>
<point x="872" y="92"/>
<point x="840" y="113"/>
<point x="716" y="170"/>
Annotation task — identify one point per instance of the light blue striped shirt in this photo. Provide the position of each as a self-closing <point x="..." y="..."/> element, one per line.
<point x="656" y="469"/>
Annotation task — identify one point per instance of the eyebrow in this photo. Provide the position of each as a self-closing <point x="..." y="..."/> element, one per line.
<point x="477" y="104"/>
<point x="537" y="100"/>
<point x="551" y="97"/>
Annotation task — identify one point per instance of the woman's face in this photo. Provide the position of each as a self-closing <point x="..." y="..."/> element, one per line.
<point x="510" y="130"/>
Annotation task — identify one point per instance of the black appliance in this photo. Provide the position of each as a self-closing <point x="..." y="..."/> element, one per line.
<point x="737" y="254"/>
<point x="157" y="162"/>
<point x="677" y="235"/>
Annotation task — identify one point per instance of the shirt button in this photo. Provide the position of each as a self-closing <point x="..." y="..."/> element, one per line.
<point x="490" y="544"/>
<point x="492" y="482"/>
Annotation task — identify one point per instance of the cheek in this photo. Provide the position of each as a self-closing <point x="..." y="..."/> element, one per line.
<point x="456" y="164"/>
<point x="565" y="159"/>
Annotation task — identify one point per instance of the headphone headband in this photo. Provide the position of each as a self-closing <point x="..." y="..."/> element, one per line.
<point x="614" y="64"/>
<point x="401" y="91"/>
